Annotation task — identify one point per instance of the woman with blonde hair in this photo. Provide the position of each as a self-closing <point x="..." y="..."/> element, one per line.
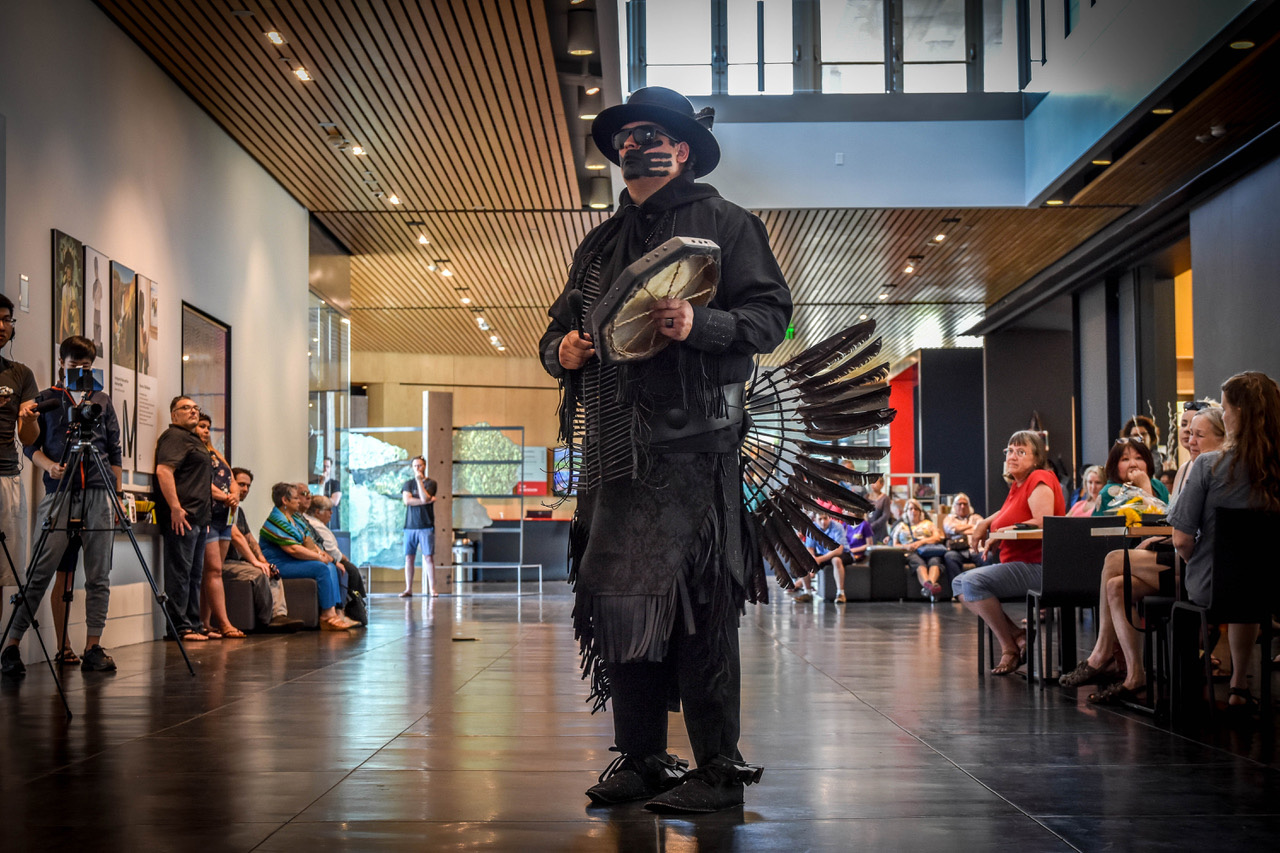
<point x="1091" y="483"/>
<point x="1033" y="494"/>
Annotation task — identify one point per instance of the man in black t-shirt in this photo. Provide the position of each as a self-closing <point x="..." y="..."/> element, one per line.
<point x="17" y="420"/>
<point x="418" y="495"/>
<point x="184" y="503"/>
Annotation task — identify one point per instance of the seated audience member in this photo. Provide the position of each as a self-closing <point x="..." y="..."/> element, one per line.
<point x="1117" y="654"/>
<point x="914" y="533"/>
<point x="1094" y="477"/>
<point x="1244" y="474"/>
<point x="318" y="516"/>
<point x="1189" y="410"/>
<point x="857" y="538"/>
<point x="245" y="562"/>
<point x="213" y="598"/>
<point x="823" y="553"/>
<point x="958" y="526"/>
<point x="1145" y="430"/>
<point x="1033" y="493"/>
<point x="1168" y="476"/>
<point x="90" y="497"/>
<point x="283" y="540"/>
<point x="1129" y="464"/>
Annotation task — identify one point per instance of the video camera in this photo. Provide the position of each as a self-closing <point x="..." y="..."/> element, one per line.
<point x="83" y="415"/>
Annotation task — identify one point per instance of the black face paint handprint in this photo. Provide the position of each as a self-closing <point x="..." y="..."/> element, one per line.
<point x="645" y="162"/>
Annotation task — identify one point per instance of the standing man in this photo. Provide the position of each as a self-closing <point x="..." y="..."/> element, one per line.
<point x="657" y="551"/>
<point x="418" y="495"/>
<point x="331" y="488"/>
<point x="184" y="505"/>
<point x="17" y="423"/>
<point x="86" y="495"/>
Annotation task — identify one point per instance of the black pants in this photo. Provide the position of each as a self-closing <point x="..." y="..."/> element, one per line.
<point x="640" y="693"/>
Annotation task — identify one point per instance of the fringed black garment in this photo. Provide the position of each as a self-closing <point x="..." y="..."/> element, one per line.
<point x="660" y="524"/>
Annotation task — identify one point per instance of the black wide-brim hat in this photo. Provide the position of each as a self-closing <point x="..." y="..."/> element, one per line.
<point x="668" y="108"/>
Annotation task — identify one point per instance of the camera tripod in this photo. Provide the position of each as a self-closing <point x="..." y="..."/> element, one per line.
<point x="80" y="452"/>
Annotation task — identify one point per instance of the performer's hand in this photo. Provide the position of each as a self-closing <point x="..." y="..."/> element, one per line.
<point x="680" y="314"/>
<point x="56" y="471"/>
<point x="178" y="518"/>
<point x="27" y="411"/>
<point x="575" y="350"/>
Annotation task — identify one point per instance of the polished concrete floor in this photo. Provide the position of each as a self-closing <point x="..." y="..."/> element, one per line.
<point x="460" y="724"/>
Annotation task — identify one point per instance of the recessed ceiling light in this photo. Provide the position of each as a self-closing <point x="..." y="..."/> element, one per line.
<point x="274" y="37"/>
<point x="493" y="339"/>
<point x="1101" y="162"/>
<point x="908" y="269"/>
<point x="939" y="237"/>
<point x="884" y="296"/>
<point x="501" y="348"/>
<point x="591" y="90"/>
<point x="1055" y="202"/>
<point x="422" y="238"/>
<point x="186" y="358"/>
<point x="358" y="151"/>
<point x="1243" y="44"/>
<point x="862" y="316"/>
<point x="302" y="74"/>
<point x="1162" y="111"/>
<point x="446" y="273"/>
<point x="393" y="198"/>
<point x="466" y="300"/>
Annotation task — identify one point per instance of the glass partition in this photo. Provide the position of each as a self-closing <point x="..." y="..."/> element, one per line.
<point x="329" y="405"/>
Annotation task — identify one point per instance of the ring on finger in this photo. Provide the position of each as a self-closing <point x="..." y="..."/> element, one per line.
<point x="671" y="322"/>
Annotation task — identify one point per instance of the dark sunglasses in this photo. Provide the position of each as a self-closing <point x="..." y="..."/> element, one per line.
<point x="643" y="134"/>
<point x="1195" y="405"/>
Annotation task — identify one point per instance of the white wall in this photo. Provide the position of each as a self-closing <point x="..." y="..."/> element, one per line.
<point x="102" y="145"/>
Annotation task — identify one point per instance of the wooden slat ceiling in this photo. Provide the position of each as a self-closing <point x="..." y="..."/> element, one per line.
<point x="458" y="106"/>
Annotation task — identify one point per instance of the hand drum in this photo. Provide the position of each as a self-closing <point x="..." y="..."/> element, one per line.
<point x="682" y="268"/>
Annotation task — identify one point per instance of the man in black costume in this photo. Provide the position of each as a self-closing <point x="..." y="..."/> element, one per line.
<point x="660" y="557"/>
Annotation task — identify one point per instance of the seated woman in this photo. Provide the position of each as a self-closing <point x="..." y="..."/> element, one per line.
<point x="1129" y="464"/>
<point x="1117" y="654"/>
<point x="960" y="524"/>
<point x="1033" y="493"/>
<point x="1093" y="478"/>
<point x="914" y="532"/>
<point x="284" y="541"/>
<point x="1244" y="474"/>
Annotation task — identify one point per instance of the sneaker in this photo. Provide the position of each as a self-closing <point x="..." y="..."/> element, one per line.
<point x="840" y="599"/>
<point x="97" y="660"/>
<point x="630" y="778"/>
<point x="803" y="597"/>
<point x="11" y="665"/>
<point x="715" y="786"/>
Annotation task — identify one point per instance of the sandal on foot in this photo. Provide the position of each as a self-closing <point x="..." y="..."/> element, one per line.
<point x="1085" y="674"/>
<point x="194" y="636"/>
<point x="66" y="657"/>
<point x="1009" y="662"/>
<point x="232" y="633"/>
<point x="406" y="594"/>
<point x="1250" y="702"/>
<point x="1118" y="694"/>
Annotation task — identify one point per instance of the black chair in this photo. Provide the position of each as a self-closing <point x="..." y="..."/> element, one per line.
<point x="1070" y="578"/>
<point x="1242" y="589"/>
<point x="1156" y="610"/>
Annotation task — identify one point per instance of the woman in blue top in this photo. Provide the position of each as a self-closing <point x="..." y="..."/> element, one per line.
<point x="1244" y="474"/>
<point x="1130" y="463"/>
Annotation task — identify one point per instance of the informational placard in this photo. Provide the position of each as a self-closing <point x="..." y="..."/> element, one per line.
<point x="124" y="361"/>
<point x="533" y="472"/>
<point x="148" y="399"/>
<point x="97" y="312"/>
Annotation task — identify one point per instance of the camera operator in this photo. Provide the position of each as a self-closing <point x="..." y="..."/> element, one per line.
<point x="64" y="411"/>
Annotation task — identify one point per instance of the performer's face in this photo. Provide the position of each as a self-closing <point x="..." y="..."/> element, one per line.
<point x="659" y="157"/>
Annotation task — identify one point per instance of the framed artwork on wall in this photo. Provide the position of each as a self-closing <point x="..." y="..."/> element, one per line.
<point x="147" y="402"/>
<point x="124" y="361"/>
<point x="97" y="312"/>
<point x="68" y="291"/>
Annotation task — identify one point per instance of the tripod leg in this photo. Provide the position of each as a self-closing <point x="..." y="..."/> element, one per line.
<point x="122" y="523"/>
<point x="64" y="583"/>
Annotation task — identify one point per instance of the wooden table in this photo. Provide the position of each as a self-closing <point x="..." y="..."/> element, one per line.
<point x="1138" y="531"/>
<point x="1013" y="533"/>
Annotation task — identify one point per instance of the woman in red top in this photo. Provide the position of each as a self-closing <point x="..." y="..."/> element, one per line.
<point x="1033" y="494"/>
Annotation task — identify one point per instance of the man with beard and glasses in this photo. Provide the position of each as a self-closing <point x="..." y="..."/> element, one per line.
<point x="660" y="561"/>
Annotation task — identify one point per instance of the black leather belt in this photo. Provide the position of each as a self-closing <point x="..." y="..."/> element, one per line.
<point x="676" y="424"/>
